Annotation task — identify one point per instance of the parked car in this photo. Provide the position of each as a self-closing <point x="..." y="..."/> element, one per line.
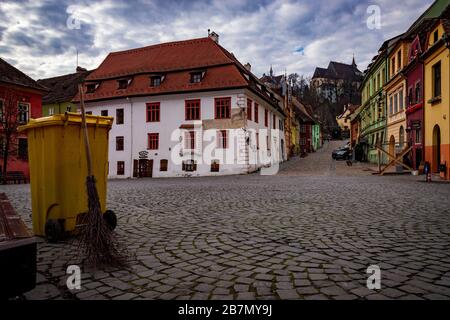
<point x="343" y="153"/>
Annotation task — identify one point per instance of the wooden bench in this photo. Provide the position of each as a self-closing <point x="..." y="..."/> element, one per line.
<point x="17" y="253"/>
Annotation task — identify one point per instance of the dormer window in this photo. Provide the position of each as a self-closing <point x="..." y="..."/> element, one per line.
<point x="197" y="76"/>
<point x="91" y="87"/>
<point x="123" y="83"/>
<point x="435" y="36"/>
<point x="155" y="81"/>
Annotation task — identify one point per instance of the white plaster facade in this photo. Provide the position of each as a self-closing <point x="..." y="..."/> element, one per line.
<point x="135" y="130"/>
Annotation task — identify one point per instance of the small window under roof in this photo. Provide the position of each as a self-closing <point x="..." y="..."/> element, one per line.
<point x="156" y="80"/>
<point x="197" y="76"/>
<point x="123" y="83"/>
<point x="91" y="87"/>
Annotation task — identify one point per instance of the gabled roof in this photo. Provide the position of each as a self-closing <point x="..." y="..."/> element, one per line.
<point x="320" y="73"/>
<point x="165" y="57"/>
<point x="350" y="108"/>
<point x="274" y="81"/>
<point x="175" y="61"/>
<point x="12" y="75"/>
<point x="444" y="19"/>
<point x="433" y="11"/>
<point x="301" y="111"/>
<point x="338" y="70"/>
<point x="62" y="88"/>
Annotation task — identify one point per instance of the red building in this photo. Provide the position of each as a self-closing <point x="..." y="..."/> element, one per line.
<point x="414" y="74"/>
<point x="20" y="100"/>
<point x="306" y="122"/>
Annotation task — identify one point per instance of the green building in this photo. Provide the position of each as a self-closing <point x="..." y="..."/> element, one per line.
<point x="372" y="113"/>
<point x="62" y="90"/>
<point x="373" y="110"/>
<point x="316" y="137"/>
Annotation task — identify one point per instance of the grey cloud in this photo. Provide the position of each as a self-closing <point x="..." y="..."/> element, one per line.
<point x="260" y="32"/>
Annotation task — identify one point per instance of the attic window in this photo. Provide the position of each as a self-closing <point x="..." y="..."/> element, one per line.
<point x="436" y="36"/>
<point x="123" y="83"/>
<point x="155" y="81"/>
<point x="197" y="76"/>
<point x="91" y="87"/>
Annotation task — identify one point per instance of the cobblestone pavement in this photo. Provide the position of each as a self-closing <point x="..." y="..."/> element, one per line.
<point x="308" y="233"/>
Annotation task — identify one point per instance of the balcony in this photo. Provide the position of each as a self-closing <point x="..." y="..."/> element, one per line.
<point x="374" y="126"/>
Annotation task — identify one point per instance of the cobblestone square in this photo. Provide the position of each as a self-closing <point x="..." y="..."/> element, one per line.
<point x="309" y="232"/>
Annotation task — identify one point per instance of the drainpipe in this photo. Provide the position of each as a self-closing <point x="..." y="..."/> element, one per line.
<point x="131" y="137"/>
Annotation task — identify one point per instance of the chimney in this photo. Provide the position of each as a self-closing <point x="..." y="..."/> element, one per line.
<point x="214" y="36"/>
<point x="80" y="69"/>
<point x="248" y="66"/>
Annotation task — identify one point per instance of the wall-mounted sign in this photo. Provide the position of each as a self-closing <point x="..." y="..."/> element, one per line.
<point x="143" y="155"/>
<point x="415" y="125"/>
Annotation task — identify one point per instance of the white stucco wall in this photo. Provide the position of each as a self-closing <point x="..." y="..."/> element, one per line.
<point x="135" y="131"/>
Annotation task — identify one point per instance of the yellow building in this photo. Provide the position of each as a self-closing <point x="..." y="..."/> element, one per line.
<point x="436" y="96"/>
<point x="395" y="90"/>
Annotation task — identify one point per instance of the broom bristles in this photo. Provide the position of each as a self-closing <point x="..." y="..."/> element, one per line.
<point x="98" y="242"/>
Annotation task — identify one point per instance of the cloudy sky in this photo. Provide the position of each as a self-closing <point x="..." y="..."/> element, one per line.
<point x="41" y="37"/>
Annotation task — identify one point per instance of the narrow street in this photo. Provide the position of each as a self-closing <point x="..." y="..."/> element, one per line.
<point x="307" y="233"/>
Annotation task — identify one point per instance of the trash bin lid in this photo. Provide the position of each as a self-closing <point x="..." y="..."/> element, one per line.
<point x="67" y="118"/>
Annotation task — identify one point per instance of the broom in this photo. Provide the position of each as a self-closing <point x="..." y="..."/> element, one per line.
<point x="97" y="241"/>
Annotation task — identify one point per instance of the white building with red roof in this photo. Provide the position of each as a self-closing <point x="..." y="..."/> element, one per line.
<point x="186" y="108"/>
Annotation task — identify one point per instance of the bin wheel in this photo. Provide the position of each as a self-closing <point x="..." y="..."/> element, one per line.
<point x="110" y="218"/>
<point x="53" y="230"/>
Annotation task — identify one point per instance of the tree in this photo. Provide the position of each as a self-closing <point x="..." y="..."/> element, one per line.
<point x="12" y="114"/>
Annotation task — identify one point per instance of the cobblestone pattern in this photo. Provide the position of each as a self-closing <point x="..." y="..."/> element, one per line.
<point x="308" y="233"/>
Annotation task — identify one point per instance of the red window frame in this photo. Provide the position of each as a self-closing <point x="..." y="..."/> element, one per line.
<point x="249" y="109"/>
<point x="222" y="108"/>
<point x="153" y="141"/>
<point x="192" y="110"/>
<point x="189" y="140"/>
<point x="266" y="117"/>
<point x="222" y="139"/>
<point x="256" y="112"/>
<point x="153" y="111"/>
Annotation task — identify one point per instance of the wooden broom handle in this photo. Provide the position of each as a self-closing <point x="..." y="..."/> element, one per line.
<point x="85" y="131"/>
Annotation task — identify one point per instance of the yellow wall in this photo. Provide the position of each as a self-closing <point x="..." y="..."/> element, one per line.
<point x="404" y="47"/>
<point x="438" y="113"/>
<point x="440" y="30"/>
<point x="344" y="122"/>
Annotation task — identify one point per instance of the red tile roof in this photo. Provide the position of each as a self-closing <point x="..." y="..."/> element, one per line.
<point x="216" y="77"/>
<point x="174" y="60"/>
<point x="165" y="57"/>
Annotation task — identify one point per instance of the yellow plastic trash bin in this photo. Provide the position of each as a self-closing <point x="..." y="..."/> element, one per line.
<point x="58" y="169"/>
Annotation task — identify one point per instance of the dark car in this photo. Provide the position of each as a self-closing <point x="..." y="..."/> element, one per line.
<point x="343" y="153"/>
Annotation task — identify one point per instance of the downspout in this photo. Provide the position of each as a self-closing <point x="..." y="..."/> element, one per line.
<point x="131" y="137"/>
